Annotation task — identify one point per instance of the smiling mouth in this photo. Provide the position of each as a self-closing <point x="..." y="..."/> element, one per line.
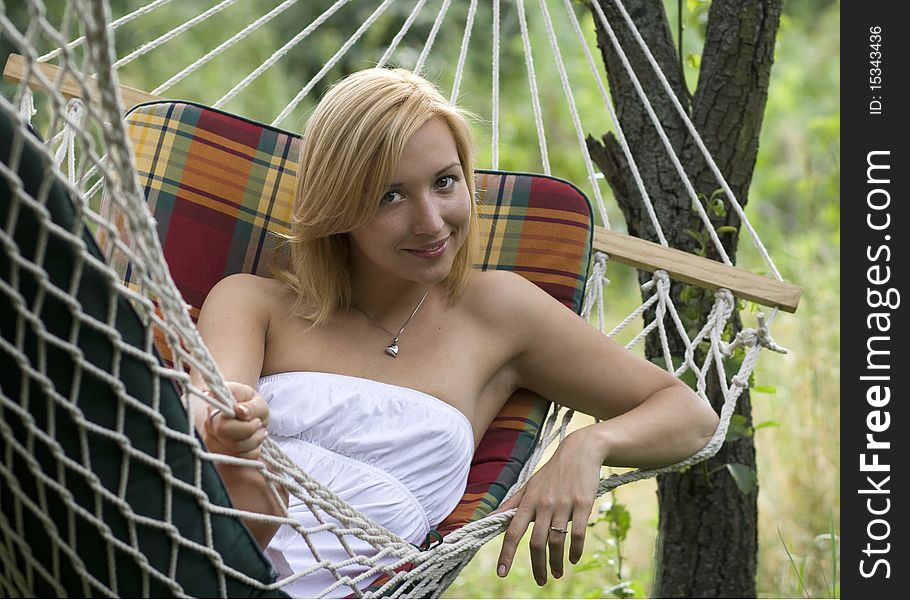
<point x="433" y="250"/>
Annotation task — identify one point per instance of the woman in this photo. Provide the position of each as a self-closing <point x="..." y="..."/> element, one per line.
<point x="380" y="357"/>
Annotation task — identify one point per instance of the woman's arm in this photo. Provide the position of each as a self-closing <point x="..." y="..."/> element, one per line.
<point x="233" y="323"/>
<point x="651" y="419"/>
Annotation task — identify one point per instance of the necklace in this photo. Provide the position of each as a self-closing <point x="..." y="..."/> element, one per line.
<point x="392" y="348"/>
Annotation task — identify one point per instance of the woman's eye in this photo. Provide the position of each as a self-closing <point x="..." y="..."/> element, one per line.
<point x="446" y="181"/>
<point x="390" y="197"/>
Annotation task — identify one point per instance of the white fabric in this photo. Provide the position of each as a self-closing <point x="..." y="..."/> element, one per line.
<point x="399" y="456"/>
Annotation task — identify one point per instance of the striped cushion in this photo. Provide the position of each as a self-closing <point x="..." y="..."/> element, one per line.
<point x="220" y="187"/>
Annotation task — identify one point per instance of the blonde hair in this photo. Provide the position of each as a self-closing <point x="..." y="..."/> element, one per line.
<point x="351" y="147"/>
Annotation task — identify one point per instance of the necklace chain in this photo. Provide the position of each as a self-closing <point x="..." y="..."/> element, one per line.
<point x="392" y="348"/>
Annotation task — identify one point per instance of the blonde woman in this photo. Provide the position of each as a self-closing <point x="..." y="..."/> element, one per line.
<point x="380" y="357"/>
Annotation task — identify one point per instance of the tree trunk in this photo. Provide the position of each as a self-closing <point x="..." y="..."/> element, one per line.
<point x="707" y="538"/>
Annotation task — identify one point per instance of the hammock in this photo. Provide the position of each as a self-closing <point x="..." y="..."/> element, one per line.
<point x="107" y="489"/>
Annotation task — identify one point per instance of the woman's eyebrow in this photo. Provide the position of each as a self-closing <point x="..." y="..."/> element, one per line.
<point x="437" y="174"/>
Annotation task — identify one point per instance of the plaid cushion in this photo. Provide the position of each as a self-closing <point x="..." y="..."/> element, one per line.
<point x="220" y="187"/>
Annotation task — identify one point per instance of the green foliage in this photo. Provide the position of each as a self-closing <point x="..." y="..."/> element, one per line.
<point x="744" y="476"/>
<point x="608" y="556"/>
<point x="825" y="549"/>
<point x="765" y="389"/>
<point x="738" y="428"/>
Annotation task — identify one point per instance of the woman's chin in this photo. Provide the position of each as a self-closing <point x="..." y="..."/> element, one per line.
<point x="433" y="276"/>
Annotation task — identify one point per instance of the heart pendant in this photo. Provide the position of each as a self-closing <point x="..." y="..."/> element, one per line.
<point x="392" y="350"/>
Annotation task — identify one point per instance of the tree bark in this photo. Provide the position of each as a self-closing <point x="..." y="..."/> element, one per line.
<point x="707" y="537"/>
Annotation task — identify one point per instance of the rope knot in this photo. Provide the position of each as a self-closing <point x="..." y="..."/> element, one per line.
<point x="27" y="105"/>
<point x="75" y="110"/>
<point x="600" y="268"/>
<point x="754" y="336"/>
<point x="659" y="278"/>
<point x="594" y="287"/>
<point x="740" y="381"/>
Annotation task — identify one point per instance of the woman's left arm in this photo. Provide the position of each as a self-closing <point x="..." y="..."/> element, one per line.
<point x="650" y="419"/>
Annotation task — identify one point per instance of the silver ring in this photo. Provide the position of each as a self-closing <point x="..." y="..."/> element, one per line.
<point x="558" y="529"/>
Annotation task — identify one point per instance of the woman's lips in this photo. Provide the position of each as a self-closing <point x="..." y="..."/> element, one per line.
<point x="432" y="251"/>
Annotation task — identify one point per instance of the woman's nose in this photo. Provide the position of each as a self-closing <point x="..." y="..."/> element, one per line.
<point x="427" y="215"/>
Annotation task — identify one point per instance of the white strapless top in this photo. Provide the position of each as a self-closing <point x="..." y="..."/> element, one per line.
<point x="399" y="456"/>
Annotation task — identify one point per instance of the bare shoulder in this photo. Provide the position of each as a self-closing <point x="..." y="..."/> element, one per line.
<point x="499" y="293"/>
<point x="234" y="323"/>
<point x="244" y="289"/>
<point x="245" y="297"/>
<point x="504" y="302"/>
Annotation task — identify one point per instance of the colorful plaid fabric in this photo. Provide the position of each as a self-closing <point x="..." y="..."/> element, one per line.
<point x="221" y="187"/>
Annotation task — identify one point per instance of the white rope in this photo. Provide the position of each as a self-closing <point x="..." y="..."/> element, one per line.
<point x="332" y="61"/>
<point x="38" y="23"/>
<point x="495" y="101"/>
<point x="149" y="46"/>
<point x="125" y="186"/>
<point x="760" y="335"/>
<point x="22" y="361"/>
<point x="532" y="82"/>
<point x="237" y="37"/>
<point x="431" y="38"/>
<point x="277" y="55"/>
<point x="113" y="26"/>
<point x="623" y="143"/>
<point x="463" y="52"/>
<point x="661" y="283"/>
<point x="693" y="196"/>
<point x="67" y="147"/>
<point x="636" y="313"/>
<point x="26" y="104"/>
<point x="741" y="379"/>
<point x="594" y="290"/>
<point x="401" y="33"/>
<point x="700" y="143"/>
<point x="573" y="108"/>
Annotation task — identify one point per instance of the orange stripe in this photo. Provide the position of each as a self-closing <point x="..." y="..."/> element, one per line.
<point x="471" y="497"/>
<point x="546" y="251"/>
<point x="246" y="150"/>
<point x="547" y="277"/>
<point x="232" y="187"/>
<point x="533" y="211"/>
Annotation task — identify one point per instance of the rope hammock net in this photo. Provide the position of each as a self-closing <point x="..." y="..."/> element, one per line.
<point x="106" y="488"/>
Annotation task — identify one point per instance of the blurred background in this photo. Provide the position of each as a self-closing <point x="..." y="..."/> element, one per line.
<point x="793" y="204"/>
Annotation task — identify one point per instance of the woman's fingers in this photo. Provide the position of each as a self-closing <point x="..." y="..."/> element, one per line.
<point x="237" y="443"/>
<point x="579" y="528"/>
<point x="513" y="501"/>
<point x="556" y="543"/>
<point x="514" y="533"/>
<point x="548" y="536"/>
<point x="223" y="426"/>
<point x="538" y="548"/>
<point x="242" y="434"/>
<point x="251" y="447"/>
<point x="249" y="405"/>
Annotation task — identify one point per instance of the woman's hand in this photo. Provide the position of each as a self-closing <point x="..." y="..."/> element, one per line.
<point x="560" y="491"/>
<point x="243" y="435"/>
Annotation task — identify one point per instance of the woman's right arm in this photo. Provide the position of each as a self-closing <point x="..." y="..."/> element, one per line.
<point x="234" y="322"/>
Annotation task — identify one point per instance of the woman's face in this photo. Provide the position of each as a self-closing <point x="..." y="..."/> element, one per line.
<point x="423" y="215"/>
